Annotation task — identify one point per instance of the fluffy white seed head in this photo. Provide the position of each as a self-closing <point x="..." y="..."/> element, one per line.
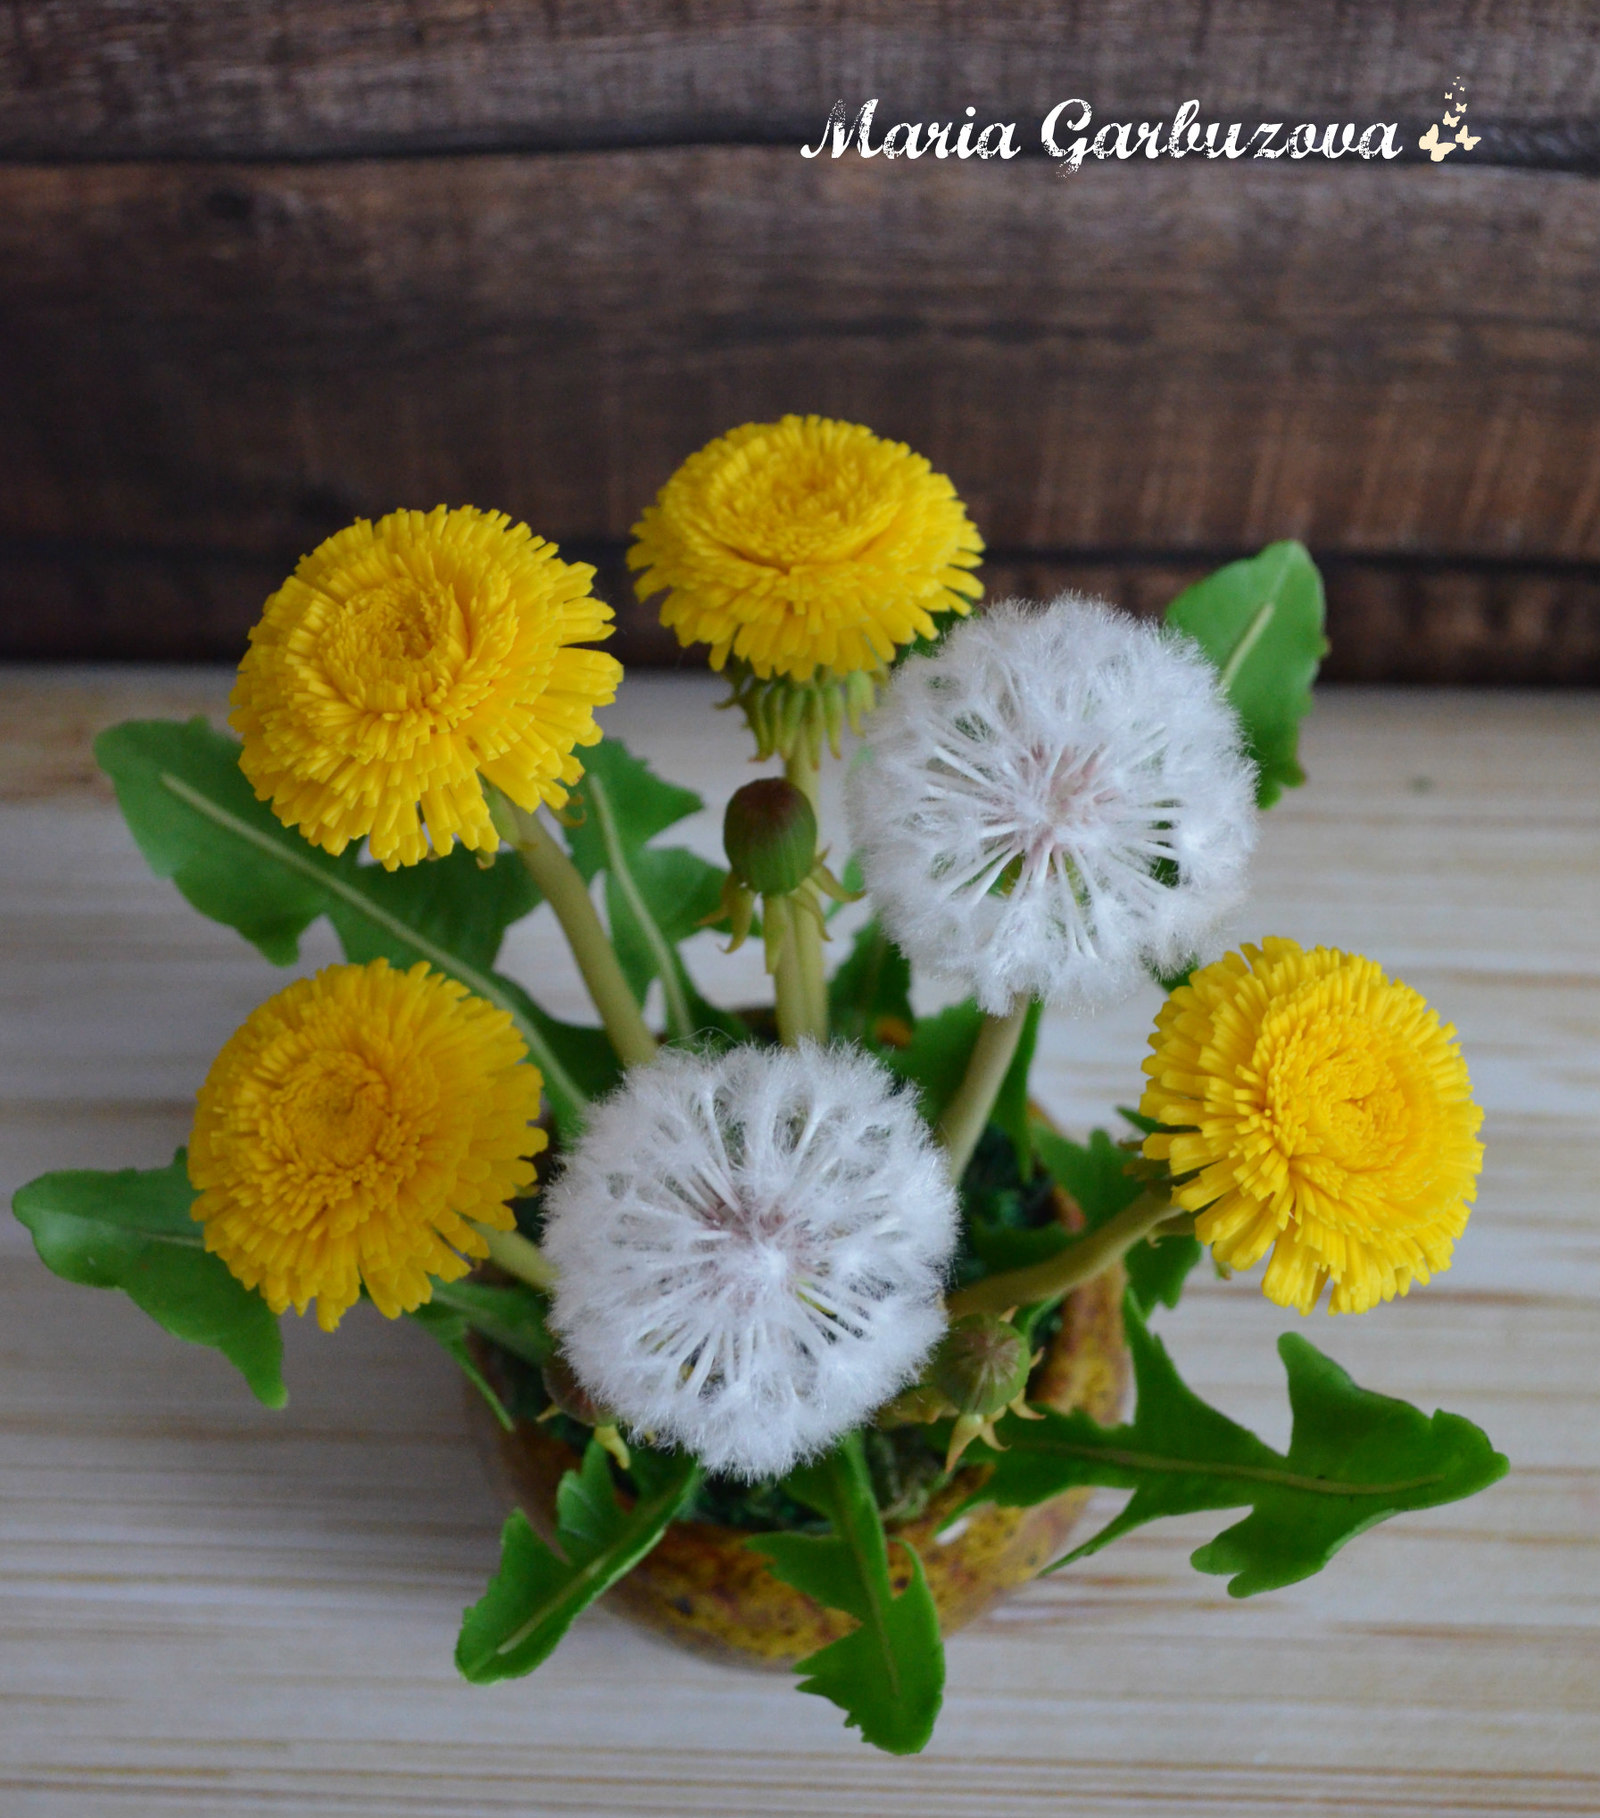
<point x="1053" y="801"/>
<point x="750" y="1250"/>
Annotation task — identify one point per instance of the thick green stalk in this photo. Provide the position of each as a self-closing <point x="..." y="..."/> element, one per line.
<point x="562" y="886"/>
<point x="796" y="1011"/>
<point x="519" y="1256"/>
<point x="968" y="1112"/>
<point x="1069" y="1268"/>
<point x="801" y="769"/>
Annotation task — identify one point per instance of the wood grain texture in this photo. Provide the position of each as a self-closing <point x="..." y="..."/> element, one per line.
<point x="239" y="78"/>
<point x="212" y="1609"/>
<point x="267" y="264"/>
<point x="239" y="358"/>
<point x="1423" y="621"/>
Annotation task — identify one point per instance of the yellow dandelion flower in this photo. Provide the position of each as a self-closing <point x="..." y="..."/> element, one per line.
<point x="1323" y="1113"/>
<point x="404" y="660"/>
<point x="806" y="545"/>
<point x="351" y="1128"/>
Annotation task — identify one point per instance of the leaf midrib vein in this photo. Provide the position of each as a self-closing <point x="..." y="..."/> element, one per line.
<point x="484" y="984"/>
<point x="650" y="1514"/>
<point x="678" y="1017"/>
<point x="1279" y="1479"/>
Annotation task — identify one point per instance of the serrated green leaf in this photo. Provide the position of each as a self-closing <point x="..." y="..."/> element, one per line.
<point x="197" y="821"/>
<point x="661" y="898"/>
<point x="582" y="1053"/>
<point x="887" y="1676"/>
<point x="449" y="1331"/>
<point x="655" y="898"/>
<point x="454" y="902"/>
<point x="1355" y="1458"/>
<point x="533" y="1599"/>
<point x="131" y="1230"/>
<point x="641" y="805"/>
<point x="1094" y="1173"/>
<point x="1261" y="622"/>
<point x="872" y="983"/>
<point x="1158" y="1268"/>
<point x="226" y="852"/>
<point x="936" y="1060"/>
<point x="513" y="1317"/>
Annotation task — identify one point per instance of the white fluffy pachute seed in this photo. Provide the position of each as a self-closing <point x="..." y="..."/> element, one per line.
<point x="1053" y="802"/>
<point x="751" y="1250"/>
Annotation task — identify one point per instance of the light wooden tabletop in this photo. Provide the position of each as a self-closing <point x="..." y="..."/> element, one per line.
<point x="212" y="1609"/>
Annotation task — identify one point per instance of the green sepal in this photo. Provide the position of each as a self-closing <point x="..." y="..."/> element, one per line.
<point x="887" y="1676"/>
<point x="537" y="1593"/>
<point x="1261" y="622"/>
<point x="1355" y="1458"/>
<point x="131" y="1230"/>
<point x="196" y="820"/>
<point x="513" y="1317"/>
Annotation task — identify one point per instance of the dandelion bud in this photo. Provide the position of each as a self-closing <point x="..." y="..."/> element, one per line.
<point x="770" y="836"/>
<point x="981" y="1365"/>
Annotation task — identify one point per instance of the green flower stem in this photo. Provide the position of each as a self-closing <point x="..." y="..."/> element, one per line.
<point x="519" y="1256"/>
<point x="1069" y="1268"/>
<point x="802" y="770"/>
<point x="562" y="886"/>
<point x="797" y="1015"/>
<point x="813" y="976"/>
<point x="967" y="1113"/>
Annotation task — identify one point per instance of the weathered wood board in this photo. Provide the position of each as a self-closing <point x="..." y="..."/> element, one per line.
<point x="1143" y="357"/>
<point x="213" y="1609"/>
<point x="210" y="367"/>
<point x="319" y="78"/>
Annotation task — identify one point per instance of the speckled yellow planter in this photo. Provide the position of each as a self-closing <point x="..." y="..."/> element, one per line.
<point x="704" y="1588"/>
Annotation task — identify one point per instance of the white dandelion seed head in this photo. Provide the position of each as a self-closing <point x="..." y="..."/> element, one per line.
<point x="750" y="1251"/>
<point x="1053" y="801"/>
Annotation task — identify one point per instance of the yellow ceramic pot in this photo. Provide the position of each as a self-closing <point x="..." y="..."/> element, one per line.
<point x="703" y="1587"/>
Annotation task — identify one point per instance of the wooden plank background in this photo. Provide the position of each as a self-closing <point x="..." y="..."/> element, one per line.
<point x="264" y="267"/>
<point x="212" y="1609"/>
<point x="317" y="78"/>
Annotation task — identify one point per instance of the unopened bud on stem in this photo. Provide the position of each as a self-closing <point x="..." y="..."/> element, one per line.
<point x="981" y="1369"/>
<point x="981" y="1365"/>
<point x="770" y="836"/>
